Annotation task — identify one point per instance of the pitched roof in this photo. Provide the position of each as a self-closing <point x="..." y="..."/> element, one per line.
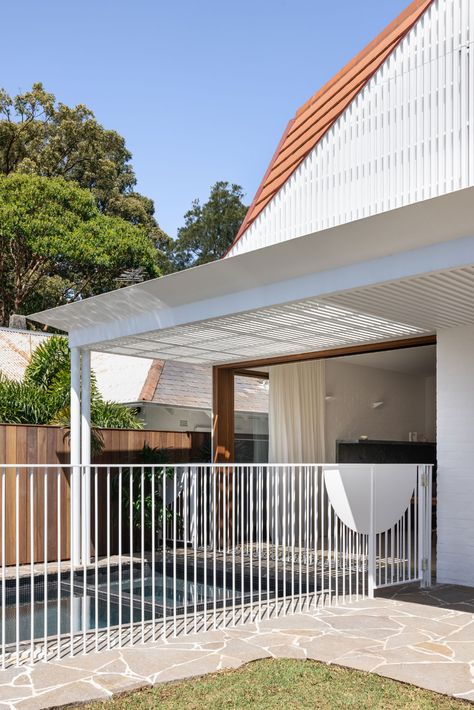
<point x="186" y="385"/>
<point x="314" y="119"/>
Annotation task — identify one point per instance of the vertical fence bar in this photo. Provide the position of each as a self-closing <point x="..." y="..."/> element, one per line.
<point x="329" y="551"/>
<point x="224" y="515"/>
<point x="4" y="600"/>
<point x="300" y="540"/>
<point x="59" y="556"/>
<point x="195" y="482"/>
<point x="242" y="542"/>
<point x="108" y="554"/>
<point x="119" y="541"/>
<point x="153" y="571"/>
<point x="233" y="545"/>
<point x="267" y="495"/>
<point x="96" y="557"/>
<point x="186" y="516"/>
<point x="308" y="509"/>
<point x="142" y="548"/>
<point x="17" y="560"/>
<point x="164" y="514"/>
<point x="284" y="537"/>
<point x="45" y="563"/>
<point x="214" y="544"/>
<point x="278" y="512"/>
<point x="83" y="530"/>
<point x="371" y="541"/>
<point x="251" y="536"/>
<point x="130" y="574"/>
<point x="32" y="567"/>
<point x="323" y="512"/>
<point x="175" y="493"/>
<point x="292" y="523"/>
<point x="316" y="472"/>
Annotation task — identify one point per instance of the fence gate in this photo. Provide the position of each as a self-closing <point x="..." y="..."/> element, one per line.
<point x="392" y="505"/>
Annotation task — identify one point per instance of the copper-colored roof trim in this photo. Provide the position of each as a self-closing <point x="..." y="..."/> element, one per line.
<point x="314" y="119"/>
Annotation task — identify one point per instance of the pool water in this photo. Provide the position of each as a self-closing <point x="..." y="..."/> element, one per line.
<point x="88" y="613"/>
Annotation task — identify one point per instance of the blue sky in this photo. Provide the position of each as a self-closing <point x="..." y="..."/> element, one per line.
<point x="200" y="90"/>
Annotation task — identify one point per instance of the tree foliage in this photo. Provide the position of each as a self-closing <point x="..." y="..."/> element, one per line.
<point x="43" y="397"/>
<point x="56" y="246"/>
<point x="210" y="229"/>
<point x="41" y="136"/>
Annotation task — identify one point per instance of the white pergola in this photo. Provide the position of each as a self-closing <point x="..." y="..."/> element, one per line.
<point x="403" y="273"/>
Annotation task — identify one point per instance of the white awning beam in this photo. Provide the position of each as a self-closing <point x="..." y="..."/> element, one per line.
<point x="199" y="315"/>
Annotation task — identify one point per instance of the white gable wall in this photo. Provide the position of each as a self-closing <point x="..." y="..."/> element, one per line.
<point x="408" y="136"/>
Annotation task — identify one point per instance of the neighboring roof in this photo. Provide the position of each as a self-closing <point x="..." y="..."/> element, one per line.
<point x="120" y="378"/>
<point x="127" y="379"/>
<point x="315" y="118"/>
<point x="16" y="349"/>
<point x="185" y="385"/>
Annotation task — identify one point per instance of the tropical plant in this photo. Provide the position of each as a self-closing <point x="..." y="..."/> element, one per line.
<point x="143" y="489"/>
<point x="43" y="397"/>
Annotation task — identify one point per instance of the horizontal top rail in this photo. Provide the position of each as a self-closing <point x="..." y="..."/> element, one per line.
<point x="196" y="465"/>
<point x="180" y="466"/>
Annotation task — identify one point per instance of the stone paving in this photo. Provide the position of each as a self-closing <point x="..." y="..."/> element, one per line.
<point x="424" y="637"/>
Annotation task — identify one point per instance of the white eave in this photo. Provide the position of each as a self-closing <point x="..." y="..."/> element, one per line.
<point x="304" y="294"/>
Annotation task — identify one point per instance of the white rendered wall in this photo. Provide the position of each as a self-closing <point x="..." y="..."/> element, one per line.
<point x="160" y="417"/>
<point x="351" y="415"/>
<point x="408" y="136"/>
<point x="455" y="387"/>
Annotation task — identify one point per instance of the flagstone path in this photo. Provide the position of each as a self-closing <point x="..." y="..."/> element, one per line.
<point x="424" y="637"/>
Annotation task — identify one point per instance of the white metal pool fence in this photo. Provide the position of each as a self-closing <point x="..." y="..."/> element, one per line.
<point x="102" y="556"/>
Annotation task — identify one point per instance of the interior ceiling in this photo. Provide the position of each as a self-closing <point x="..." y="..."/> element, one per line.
<point x="410" y="361"/>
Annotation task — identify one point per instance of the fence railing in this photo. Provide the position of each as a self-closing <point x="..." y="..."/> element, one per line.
<point x="178" y="549"/>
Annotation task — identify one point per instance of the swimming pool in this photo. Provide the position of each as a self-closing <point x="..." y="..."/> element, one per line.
<point x="102" y="604"/>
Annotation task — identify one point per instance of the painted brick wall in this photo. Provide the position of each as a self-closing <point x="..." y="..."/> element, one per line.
<point x="456" y="455"/>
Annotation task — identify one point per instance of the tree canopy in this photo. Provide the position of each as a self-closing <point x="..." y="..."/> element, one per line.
<point x="43" y="397"/>
<point x="56" y="246"/>
<point x="210" y="229"/>
<point x="41" y="136"/>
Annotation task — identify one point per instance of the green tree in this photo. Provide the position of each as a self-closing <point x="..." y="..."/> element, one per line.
<point x="43" y="397"/>
<point x="41" y="136"/>
<point x="210" y="229"/>
<point x="55" y="245"/>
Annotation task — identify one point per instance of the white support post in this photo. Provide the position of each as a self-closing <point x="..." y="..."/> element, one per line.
<point x="75" y="445"/>
<point x="86" y="454"/>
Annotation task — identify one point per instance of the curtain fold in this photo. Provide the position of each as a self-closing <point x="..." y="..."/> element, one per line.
<point x="297" y="413"/>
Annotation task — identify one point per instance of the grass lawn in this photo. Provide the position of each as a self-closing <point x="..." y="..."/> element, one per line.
<point x="288" y="684"/>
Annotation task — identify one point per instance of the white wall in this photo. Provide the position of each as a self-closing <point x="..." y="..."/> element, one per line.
<point x="351" y="415"/>
<point x="455" y="386"/>
<point x="164" y="418"/>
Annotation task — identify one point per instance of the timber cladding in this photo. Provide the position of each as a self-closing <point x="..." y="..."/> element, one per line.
<point x="24" y="445"/>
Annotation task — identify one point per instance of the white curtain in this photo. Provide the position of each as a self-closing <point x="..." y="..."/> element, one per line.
<point x="296" y="413"/>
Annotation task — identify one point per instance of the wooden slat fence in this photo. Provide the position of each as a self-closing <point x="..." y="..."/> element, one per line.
<point x="23" y="445"/>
